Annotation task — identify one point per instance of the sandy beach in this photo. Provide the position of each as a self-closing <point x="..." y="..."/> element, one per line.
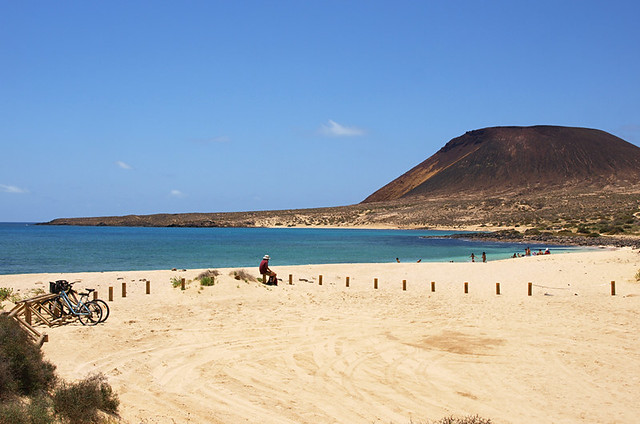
<point x="242" y="352"/>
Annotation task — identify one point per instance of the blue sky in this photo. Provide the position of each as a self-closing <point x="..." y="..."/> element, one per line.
<point x="138" y="107"/>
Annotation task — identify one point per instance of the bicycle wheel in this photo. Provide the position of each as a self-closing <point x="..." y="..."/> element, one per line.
<point x="103" y="305"/>
<point x="105" y="309"/>
<point x="57" y="308"/>
<point x="89" y="313"/>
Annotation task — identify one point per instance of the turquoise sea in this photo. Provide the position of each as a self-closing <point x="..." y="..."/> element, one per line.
<point x="28" y="248"/>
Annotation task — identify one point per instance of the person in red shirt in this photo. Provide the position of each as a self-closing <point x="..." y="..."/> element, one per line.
<point x="265" y="270"/>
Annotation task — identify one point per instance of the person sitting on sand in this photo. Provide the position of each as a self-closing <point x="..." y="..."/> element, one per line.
<point x="484" y="257"/>
<point x="265" y="270"/>
<point x="473" y="257"/>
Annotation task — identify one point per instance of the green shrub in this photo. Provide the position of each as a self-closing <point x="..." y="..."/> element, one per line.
<point x="25" y="371"/>
<point x="26" y="383"/>
<point x="14" y="412"/>
<point x="207" y="281"/>
<point x="176" y="282"/>
<point x="5" y="293"/>
<point x="81" y="401"/>
<point x="208" y="277"/>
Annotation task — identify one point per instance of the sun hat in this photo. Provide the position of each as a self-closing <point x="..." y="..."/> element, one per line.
<point x="265" y="257"/>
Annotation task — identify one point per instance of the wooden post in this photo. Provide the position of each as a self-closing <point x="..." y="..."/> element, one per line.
<point x="613" y="288"/>
<point x="320" y="280"/>
<point x="182" y="287"/>
<point x="529" y="289"/>
<point x="110" y="294"/>
<point x="404" y="285"/>
<point x="124" y="289"/>
<point x="466" y="287"/>
<point x="148" y="287"/>
<point x="347" y="284"/>
<point x="375" y="283"/>
<point x="95" y="295"/>
<point x="27" y="313"/>
<point x="497" y="288"/>
<point x="290" y="279"/>
<point x="433" y="286"/>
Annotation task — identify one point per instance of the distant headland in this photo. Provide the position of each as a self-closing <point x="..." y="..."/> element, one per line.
<point x="554" y="180"/>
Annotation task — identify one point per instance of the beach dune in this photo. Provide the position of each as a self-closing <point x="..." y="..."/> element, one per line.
<point x="242" y="352"/>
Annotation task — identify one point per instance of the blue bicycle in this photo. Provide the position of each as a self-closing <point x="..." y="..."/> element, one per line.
<point x="88" y="313"/>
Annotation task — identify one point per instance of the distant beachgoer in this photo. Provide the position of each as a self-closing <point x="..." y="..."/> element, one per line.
<point x="397" y="260"/>
<point x="484" y="257"/>
<point x="546" y="251"/>
<point x="419" y="260"/>
<point x="473" y="257"/>
<point x="265" y="270"/>
<point x="515" y="255"/>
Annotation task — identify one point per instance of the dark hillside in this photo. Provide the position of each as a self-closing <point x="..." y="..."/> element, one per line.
<point x="522" y="159"/>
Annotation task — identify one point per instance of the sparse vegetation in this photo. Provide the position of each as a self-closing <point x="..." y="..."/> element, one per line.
<point x="208" y="277"/>
<point x="208" y="273"/>
<point x="5" y="292"/>
<point x="243" y="275"/>
<point x="471" y="419"/>
<point x="80" y="402"/>
<point x="176" y="282"/>
<point x="31" y="393"/>
<point x="638" y="275"/>
<point x="207" y="281"/>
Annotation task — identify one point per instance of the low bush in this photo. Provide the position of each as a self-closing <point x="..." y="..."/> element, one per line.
<point x="207" y="281"/>
<point x="208" y="277"/>
<point x="243" y="275"/>
<point x="176" y="282"/>
<point x="27" y="382"/>
<point x="5" y="293"/>
<point x="34" y="411"/>
<point x="209" y="273"/>
<point x="80" y="402"/>
<point x="25" y="371"/>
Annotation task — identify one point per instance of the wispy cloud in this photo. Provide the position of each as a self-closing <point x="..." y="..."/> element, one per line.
<point x="123" y="165"/>
<point x="333" y="129"/>
<point x="12" y="189"/>
<point x="177" y="193"/>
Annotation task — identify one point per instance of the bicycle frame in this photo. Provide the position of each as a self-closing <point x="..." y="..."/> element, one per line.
<point x="75" y="308"/>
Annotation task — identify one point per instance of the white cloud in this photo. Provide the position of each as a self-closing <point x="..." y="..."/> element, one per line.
<point x="12" y="189"/>
<point x="177" y="193"/>
<point x="333" y="129"/>
<point x="123" y="165"/>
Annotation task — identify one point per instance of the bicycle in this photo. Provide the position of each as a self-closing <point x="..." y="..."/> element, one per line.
<point x="84" y="297"/>
<point x="89" y="313"/>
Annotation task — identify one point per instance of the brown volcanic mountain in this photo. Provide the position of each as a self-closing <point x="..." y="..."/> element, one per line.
<point x="526" y="159"/>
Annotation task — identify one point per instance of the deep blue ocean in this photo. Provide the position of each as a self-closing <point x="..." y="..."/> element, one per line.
<point x="27" y="248"/>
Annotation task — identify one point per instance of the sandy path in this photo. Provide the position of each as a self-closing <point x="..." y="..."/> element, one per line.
<point x="242" y="352"/>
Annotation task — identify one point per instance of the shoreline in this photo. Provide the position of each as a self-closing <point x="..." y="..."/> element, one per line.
<point x="244" y="352"/>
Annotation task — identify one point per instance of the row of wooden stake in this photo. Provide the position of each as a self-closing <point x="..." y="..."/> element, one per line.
<point x="375" y="286"/>
<point x="124" y="290"/>
<point x="433" y="285"/>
